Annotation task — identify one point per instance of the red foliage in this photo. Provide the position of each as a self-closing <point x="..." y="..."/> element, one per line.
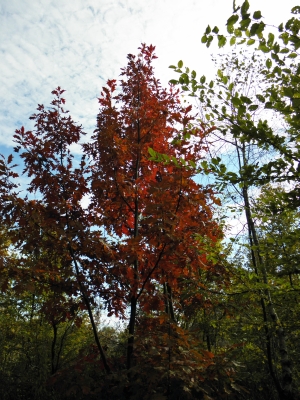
<point x="149" y="211"/>
<point x="140" y="228"/>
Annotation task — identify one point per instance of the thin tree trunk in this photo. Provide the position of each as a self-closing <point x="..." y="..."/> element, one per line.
<point x="169" y="308"/>
<point x="131" y="329"/>
<point x="134" y="297"/>
<point x="81" y="286"/>
<point x="54" y="340"/>
<point x="285" y="388"/>
<point x="89" y="309"/>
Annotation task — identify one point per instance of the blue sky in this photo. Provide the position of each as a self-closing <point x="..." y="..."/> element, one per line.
<point x="79" y="44"/>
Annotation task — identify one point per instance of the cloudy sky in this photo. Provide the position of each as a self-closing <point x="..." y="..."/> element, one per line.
<point x="79" y="44"/>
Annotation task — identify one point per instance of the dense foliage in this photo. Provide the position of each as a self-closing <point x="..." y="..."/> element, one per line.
<point x="249" y="93"/>
<point x="117" y="226"/>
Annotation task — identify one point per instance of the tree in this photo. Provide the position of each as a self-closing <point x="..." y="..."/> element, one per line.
<point x="280" y="92"/>
<point x="278" y="231"/>
<point x="151" y="213"/>
<point x="146" y="228"/>
<point x="234" y="110"/>
<point x="36" y="342"/>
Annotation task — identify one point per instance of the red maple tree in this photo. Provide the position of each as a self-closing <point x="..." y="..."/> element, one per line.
<point x="150" y="212"/>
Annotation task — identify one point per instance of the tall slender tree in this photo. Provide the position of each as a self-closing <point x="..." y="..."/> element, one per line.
<point x="150" y="212"/>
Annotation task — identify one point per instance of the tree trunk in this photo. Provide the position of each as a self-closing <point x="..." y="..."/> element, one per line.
<point x="168" y="301"/>
<point x="88" y="306"/>
<point x="131" y="329"/>
<point x="284" y="388"/>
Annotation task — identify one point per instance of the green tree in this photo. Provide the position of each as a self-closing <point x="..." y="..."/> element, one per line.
<point x="280" y="91"/>
<point x="235" y="111"/>
<point x="34" y="346"/>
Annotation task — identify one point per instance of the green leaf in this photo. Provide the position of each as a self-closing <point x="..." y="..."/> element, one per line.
<point x="245" y="23"/>
<point x="193" y="74"/>
<point x="268" y="105"/>
<point x="172" y="66"/>
<point x="215" y="30"/>
<point x="275" y="57"/>
<point x="246" y="100"/>
<point x="277" y="70"/>
<point x="293" y="55"/>
<point x="285" y="37"/>
<point x="209" y="40"/>
<point x="185" y="78"/>
<point x="174" y="159"/>
<point x="257" y="15"/>
<point x="295" y="10"/>
<point x="276" y="48"/>
<point x="238" y="33"/>
<point x="296" y="42"/>
<point x="202" y="79"/>
<point x="236" y="101"/>
<point x="174" y="82"/>
<point x="269" y="63"/>
<point x="257" y="29"/>
<point x="250" y="42"/>
<point x="211" y="84"/>
<point x="216" y="161"/>
<point x="221" y="41"/>
<point x="284" y="50"/>
<point x="231" y="21"/>
<point x="271" y="38"/>
<point x="289" y="23"/>
<point x="204" y="39"/>
<point x="225" y="80"/>
<point x="253" y="107"/>
<point x="208" y="30"/>
<point x="232" y="40"/>
<point x="152" y="152"/>
<point x="263" y="48"/>
<point x="288" y="92"/>
<point x="241" y="110"/>
<point x="204" y="164"/>
<point x="245" y="7"/>
<point x="180" y="64"/>
<point x="220" y="73"/>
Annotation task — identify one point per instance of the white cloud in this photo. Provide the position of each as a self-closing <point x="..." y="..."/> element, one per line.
<point x="78" y="45"/>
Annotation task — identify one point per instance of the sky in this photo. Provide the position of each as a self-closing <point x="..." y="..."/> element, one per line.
<point x="79" y="44"/>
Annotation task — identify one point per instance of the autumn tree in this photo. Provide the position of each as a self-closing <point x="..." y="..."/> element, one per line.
<point x="51" y="226"/>
<point x="150" y="213"/>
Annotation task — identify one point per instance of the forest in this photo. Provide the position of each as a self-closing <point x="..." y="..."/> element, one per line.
<point x="177" y="221"/>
